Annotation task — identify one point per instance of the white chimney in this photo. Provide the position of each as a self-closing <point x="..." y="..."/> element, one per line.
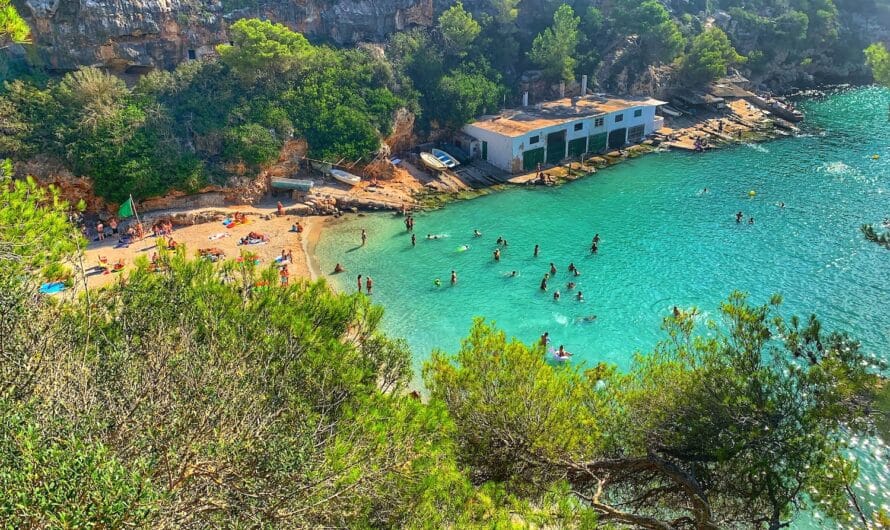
<point x="583" y="85"/>
<point x="562" y="89"/>
<point x="525" y="99"/>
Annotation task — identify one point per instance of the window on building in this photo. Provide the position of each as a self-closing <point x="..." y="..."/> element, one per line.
<point x="534" y="139"/>
<point x="619" y="117"/>
<point x="579" y="126"/>
<point x="638" y="113"/>
<point x="598" y="122"/>
<point x="192" y="55"/>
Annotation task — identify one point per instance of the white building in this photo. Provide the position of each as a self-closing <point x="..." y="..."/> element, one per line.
<point x="518" y="140"/>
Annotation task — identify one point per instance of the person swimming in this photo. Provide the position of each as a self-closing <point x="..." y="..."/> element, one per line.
<point x="552" y="268"/>
<point x="544" y="283"/>
<point x="477" y="233"/>
<point x="562" y="353"/>
<point x="570" y="286"/>
<point x="497" y="254"/>
<point x="579" y="297"/>
<point x="514" y="274"/>
<point x="500" y="240"/>
<point x="750" y="220"/>
<point x="572" y="267"/>
<point x="738" y="217"/>
<point x="577" y="272"/>
<point x="437" y="282"/>
<point x="463" y="248"/>
<point x="586" y="320"/>
<point x="556" y="296"/>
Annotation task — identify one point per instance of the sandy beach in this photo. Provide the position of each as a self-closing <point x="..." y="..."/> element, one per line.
<point x="214" y="234"/>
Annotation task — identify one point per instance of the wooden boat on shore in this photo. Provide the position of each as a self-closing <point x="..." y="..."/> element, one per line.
<point x="345" y="177"/>
<point x="445" y="158"/>
<point x="670" y="111"/>
<point x="430" y="161"/>
<point x="283" y="183"/>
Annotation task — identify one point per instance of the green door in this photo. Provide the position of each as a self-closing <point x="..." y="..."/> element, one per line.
<point x="578" y="146"/>
<point x="556" y="147"/>
<point x="597" y="143"/>
<point x="617" y="138"/>
<point x="484" y="150"/>
<point x="531" y="159"/>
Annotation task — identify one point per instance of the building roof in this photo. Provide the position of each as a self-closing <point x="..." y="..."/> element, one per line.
<point x="728" y="90"/>
<point x="518" y="122"/>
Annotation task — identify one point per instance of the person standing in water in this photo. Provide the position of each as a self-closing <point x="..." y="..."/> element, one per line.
<point x="738" y="217"/>
<point x="364" y="237"/>
<point x="545" y="338"/>
<point x="369" y="284"/>
<point x="359" y="283"/>
<point x="544" y="283"/>
<point x="596" y="238"/>
<point x="552" y="269"/>
<point x="497" y="254"/>
<point x="594" y="247"/>
<point x="413" y="240"/>
<point x="537" y="248"/>
<point x="579" y="297"/>
<point x="453" y="277"/>
<point x="572" y="267"/>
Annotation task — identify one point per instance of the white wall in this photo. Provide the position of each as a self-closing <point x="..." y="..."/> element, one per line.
<point x="506" y="152"/>
<point x="500" y="148"/>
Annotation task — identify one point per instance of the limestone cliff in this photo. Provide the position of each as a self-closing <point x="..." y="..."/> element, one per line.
<point x="134" y="36"/>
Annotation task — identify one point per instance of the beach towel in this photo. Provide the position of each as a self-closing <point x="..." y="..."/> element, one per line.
<point x="218" y="235"/>
<point x="52" y="288"/>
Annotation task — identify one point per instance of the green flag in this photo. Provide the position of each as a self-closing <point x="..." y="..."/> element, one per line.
<point x="126" y="209"/>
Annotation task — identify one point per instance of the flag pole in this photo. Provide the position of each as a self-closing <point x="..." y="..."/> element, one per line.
<point x="136" y="214"/>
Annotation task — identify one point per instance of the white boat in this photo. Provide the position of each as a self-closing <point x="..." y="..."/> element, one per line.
<point x="345" y="177"/>
<point x="445" y="158"/>
<point x="432" y="162"/>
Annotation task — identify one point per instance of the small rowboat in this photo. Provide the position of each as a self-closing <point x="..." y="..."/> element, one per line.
<point x="432" y="162"/>
<point x="445" y="158"/>
<point x="345" y="177"/>
<point x="292" y="184"/>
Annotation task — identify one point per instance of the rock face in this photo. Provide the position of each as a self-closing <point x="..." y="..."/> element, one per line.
<point x="134" y="36"/>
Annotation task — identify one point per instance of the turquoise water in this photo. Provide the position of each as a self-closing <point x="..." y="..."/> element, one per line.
<point x="663" y="243"/>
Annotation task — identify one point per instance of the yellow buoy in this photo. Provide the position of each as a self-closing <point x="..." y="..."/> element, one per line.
<point x="752" y="193"/>
<point x="875" y="157"/>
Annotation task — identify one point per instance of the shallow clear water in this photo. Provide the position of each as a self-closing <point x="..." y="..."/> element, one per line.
<point x="663" y="243"/>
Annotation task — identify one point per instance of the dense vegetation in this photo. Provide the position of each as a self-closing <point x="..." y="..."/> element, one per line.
<point x="199" y="395"/>
<point x="878" y="59"/>
<point x="211" y="119"/>
<point x="181" y="129"/>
